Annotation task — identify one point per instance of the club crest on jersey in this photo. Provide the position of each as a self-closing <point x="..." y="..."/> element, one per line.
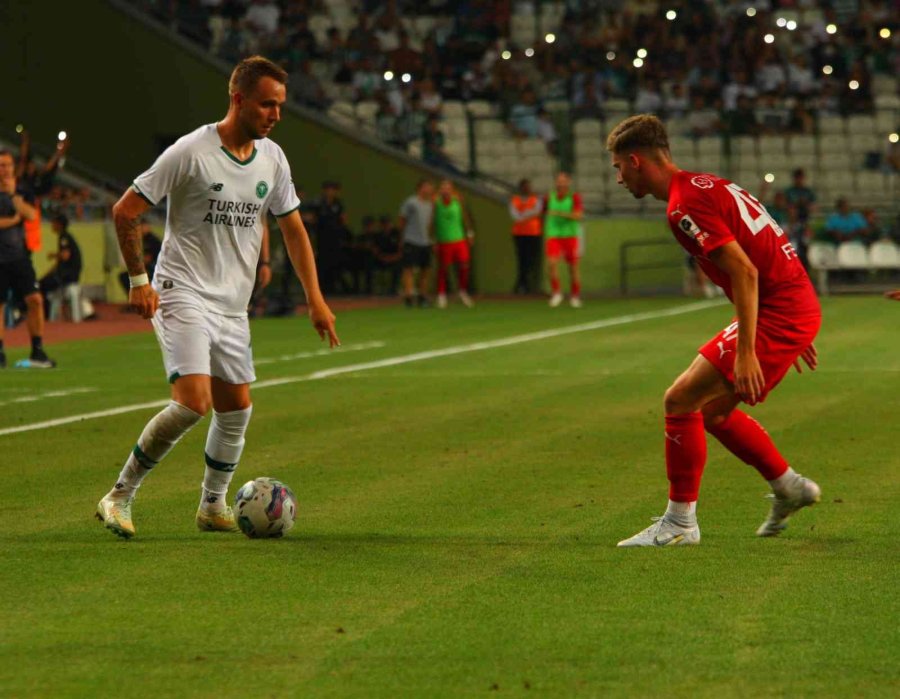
<point x="262" y="188"/>
<point x="703" y="182"/>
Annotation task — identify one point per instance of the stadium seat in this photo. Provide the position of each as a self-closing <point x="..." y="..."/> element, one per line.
<point x="453" y="108"/>
<point x="870" y="182"/>
<point x="852" y="255"/>
<point x="802" y="145"/>
<point x="480" y="108"/>
<point x="822" y="257"/>
<point x="587" y="127"/>
<point x="860" y="123"/>
<point x="489" y="128"/>
<point x="884" y="254"/>
<point x="69" y="295"/>
<point x="887" y="121"/>
<point x="831" y="125"/>
<point x="839" y="182"/>
<point x="366" y="109"/>
<point x="531" y="147"/>
<point x="681" y="147"/>
<point x="837" y="159"/>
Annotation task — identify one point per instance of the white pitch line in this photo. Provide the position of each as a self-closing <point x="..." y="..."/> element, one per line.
<point x="394" y="361"/>
<point x="318" y="353"/>
<point x="49" y="394"/>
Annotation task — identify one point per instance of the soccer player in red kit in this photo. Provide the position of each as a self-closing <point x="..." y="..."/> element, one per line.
<point x="741" y="249"/>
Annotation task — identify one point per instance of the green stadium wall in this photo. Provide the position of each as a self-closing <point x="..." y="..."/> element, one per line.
<point x="118" y="86"/>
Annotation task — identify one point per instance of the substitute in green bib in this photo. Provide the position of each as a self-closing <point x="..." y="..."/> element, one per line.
<point x="562" y="230"/>
<point x="453" y="233"/>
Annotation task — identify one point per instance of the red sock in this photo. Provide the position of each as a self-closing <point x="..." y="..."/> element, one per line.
<point x="747" y="440"/>
<point x="576" y="289"/>
<point x="554" y="284"/>
<point x="685" y="455"/>
<point x="463" y="273"/>
<point x="442" y="279"/>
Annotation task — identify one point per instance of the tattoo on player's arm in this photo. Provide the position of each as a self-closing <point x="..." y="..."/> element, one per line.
<point x="128" y="231"/>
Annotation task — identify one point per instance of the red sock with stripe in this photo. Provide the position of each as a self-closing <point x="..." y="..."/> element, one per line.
<point x="685" y="455"/>
<point x="748" y="440"/>
<point x="576" y="288"/>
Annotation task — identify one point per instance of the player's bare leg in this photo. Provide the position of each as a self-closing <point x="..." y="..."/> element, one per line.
<point x="575" y="274"/>
<point x="407" y="282"/>
<point x="556" y="297"/>
<point x="224" y="444"/>
<point x="422" y="286"/>
<point x="34" y="320"/>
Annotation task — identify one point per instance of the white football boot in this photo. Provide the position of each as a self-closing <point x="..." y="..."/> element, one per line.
<point x="115" y="513"/>
<point x="441" y="300"/>
<point x="803" y="493"/>
<point x="466" y="299"/>
<point x="664" y="532"/>
<point x="556" y="299"/>
<point x="575" y="302"/>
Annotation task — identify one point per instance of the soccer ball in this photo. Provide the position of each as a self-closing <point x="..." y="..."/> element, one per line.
<point x="265" y="508"/>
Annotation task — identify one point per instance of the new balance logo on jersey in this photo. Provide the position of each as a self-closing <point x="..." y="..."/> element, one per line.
<point x="216" y="187"/>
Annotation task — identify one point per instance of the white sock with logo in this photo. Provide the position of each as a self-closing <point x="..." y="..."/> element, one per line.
<point x="682" y="513"/>
<point x="159" y="436"/>
<point x="224" y="445"/>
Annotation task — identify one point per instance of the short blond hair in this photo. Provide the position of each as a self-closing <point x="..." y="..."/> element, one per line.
<point x="250" y="71"/>
<point x="639" y="132"/>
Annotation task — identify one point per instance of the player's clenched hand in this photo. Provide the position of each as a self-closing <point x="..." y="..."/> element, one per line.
<point x="810" y="357"/>
<point x="749" y="381"/>
<point x="144" y="300"/>
<point x="323" y="321"/>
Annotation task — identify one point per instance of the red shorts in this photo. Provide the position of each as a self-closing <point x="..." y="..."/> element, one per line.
<point x="563" y="247"/>
<point x="449" y="253"/>
<point x="779" y="341"/>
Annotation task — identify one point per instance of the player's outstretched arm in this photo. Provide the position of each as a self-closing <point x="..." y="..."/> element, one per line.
<point x="749" y="382"/>
<point x="296" y="241"/>
<point x="127" y="213"/>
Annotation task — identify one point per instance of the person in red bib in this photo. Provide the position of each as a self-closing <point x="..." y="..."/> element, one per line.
<point x="741" y="249"/>
<point x="563" y="211"/>
<point x="452" y="228"/>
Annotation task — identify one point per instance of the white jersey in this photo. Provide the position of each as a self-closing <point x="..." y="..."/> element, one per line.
<point x="214" y="221"/>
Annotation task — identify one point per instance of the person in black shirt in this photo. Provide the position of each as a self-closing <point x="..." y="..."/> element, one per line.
<point x="67" y="269"/>
<point x="332" y="237"/>
<point x="16" y="271"/>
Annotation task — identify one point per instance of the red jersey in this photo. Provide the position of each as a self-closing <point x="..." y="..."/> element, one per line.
<point x="706" y="212"/>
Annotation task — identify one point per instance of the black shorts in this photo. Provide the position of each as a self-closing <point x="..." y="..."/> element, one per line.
<point x="416" y="256"/>
<point x="18" y="276"/>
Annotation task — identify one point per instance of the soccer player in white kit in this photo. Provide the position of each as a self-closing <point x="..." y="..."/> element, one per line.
<point x="221" y="180"/>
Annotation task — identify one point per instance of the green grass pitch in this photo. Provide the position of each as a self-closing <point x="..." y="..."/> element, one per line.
<point x="458" y="520"/>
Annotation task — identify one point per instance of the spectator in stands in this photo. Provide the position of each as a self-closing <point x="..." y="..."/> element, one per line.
<point x="676" y="103"/>
<point x="430" y="97"/>
<point x="891" y="158"/>
<point x="703" y="120"/>
<point x="546" y="131"/>
<point x="800" y="119"/>
<point x="742" y="120"/>
<point x="738" y="87"/>
<point x="875" y="229"/>
<point x="523" y="119"/>
<point x="856" y="96"/>
<point x="415" y="223"/>
<point x="236" y="43"/>
<point x="773" y="117"/>
<point x="386" y="124"/>
<point x="845" y="226"/>
<point x="306" y="88"/>
<point x="433" y="151"/>
<point x="648" y="99"/>
<point x="800" y="197"/>
<point x="411" y="124"/>
<point x="525" y="209"/>
<point x="66" y="267"/>
<point x="405" y="59"/>
<point x="771" y="77"/>
<point x="366" y="80"/>
<point x="262" y="16"/>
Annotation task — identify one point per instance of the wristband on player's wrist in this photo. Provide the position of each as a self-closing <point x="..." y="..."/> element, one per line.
<point x="139" y="280"/>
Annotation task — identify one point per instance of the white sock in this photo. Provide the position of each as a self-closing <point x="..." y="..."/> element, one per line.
<point x="159" y="436"/>
<point x="683" y="513"/>
<point x="224" y="445"/>
<point x="784" y="484"/>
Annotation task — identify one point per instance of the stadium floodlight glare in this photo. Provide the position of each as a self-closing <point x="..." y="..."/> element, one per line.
<point x="529" y="52"/>
<point x="781" y="21"/>
<point x="751" y="12"/>
<point x="769" y="38"/>
<point x="853" y="85"/>
<point x="638" y="62"/>
<point x="406" y="77"/>
<point x="831" y="29"/>
<point x="20" y="128"/>
<point x="388" y="75"/>
<point x="885" y="33"/>
<point x="550" y="38"/>
<point x="506" y="55"/>
<point x="791" y="25"/>
<point x="610" y="55"/>
<point x="642" y="53"/>
<point x="671" y="15"/>
<point x="61" y="136"/>
<point x="770" y="178"/>
<point x="828" y="70"/>
<point x="894" y="137"/>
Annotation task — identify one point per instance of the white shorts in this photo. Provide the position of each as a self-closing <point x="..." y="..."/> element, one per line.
<point x="194" y="340"/>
